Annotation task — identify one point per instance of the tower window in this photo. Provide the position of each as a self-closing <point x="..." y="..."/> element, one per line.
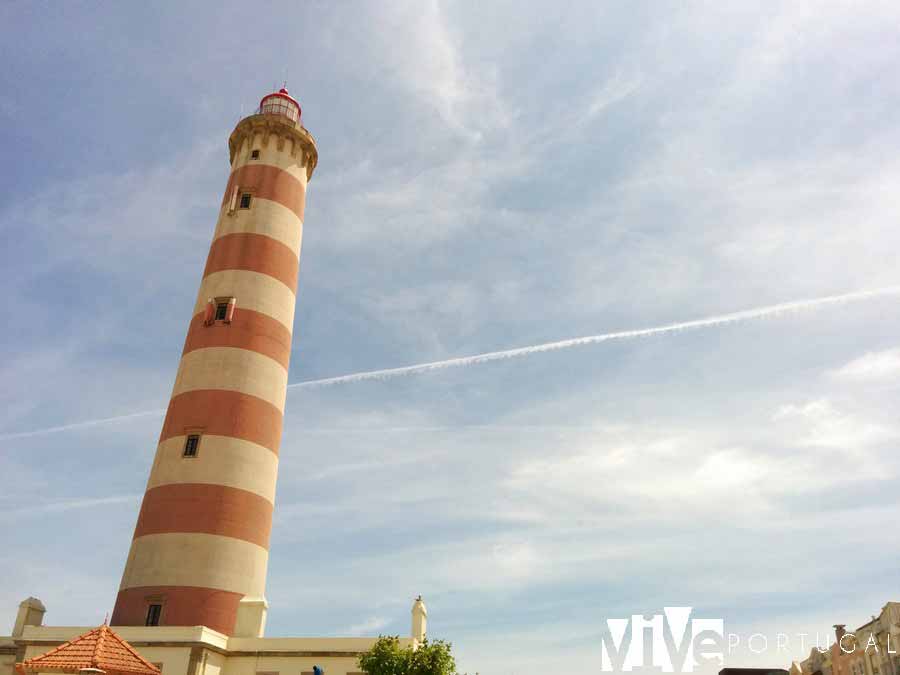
<point x="221" y="311"/>
<point x="153" y="612"/>
<point x="254" y="154"/>
<point x="191" y="445"/>
<point x="245" y="200"/>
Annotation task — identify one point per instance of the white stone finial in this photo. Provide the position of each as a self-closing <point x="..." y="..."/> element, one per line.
<point x="419" y="620"/>
<point x="31" y="613"/>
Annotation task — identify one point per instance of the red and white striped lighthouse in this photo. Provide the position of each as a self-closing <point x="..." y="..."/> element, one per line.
<point x="201" y="543"/>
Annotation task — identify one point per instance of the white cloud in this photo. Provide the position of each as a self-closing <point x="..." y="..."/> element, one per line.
<point x="611" y="92"/>
<point x="431" y="62"/>
<point x="821" y="424"/>
<point x="370" y="627"/>
<point x="872" y="366"/>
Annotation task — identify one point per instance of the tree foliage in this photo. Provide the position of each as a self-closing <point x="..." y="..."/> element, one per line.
<point x="387" y="657"/>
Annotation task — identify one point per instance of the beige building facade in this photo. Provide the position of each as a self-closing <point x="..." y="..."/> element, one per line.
<point x="198" y="650"/>
<point x="872" y="649"/>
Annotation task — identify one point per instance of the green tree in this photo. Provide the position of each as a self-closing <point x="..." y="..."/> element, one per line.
<point x="387" y="657"/>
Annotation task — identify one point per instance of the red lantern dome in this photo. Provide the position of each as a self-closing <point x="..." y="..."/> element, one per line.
<point x="280" y="103"/>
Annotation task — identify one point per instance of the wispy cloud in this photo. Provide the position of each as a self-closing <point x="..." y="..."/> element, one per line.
<point x="371" y="626"/>
<point x="872" y="366"/>
<point x="81" y="425"/>
<point x="613" y="91"/>
<point x="66" y="505"/>
<point x="432" y="64"/>
<point x="827" y="427"/>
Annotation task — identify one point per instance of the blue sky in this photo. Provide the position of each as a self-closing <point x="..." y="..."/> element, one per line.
<point x="491" y="175"/>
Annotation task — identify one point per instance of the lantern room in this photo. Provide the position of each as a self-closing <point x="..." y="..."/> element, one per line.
<point x="280" y="103"/>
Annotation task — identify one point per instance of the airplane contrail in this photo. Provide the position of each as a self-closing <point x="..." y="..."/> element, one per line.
<point x="79" y="425"/>
<point x="386" y="373"/>
<point x="743" y="315"/>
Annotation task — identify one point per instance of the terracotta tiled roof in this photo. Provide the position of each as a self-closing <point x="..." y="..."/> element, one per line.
<point x="100" y="649"/>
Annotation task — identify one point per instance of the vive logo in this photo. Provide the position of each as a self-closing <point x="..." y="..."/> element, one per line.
<point x="672" y="642"/>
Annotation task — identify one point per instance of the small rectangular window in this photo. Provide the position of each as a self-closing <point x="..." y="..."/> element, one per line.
<point x="191" y="445"/>
<point x="245" y="200"/>
<point x="254" y="154"/>
<point x="153" y="612"/>
<point x="221" y="311"/>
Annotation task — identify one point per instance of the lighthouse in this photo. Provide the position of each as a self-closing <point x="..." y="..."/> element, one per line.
<point x="193" y="594"/>
<point x="201" y="544"/>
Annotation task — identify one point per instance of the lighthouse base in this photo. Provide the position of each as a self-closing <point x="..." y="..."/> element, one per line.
<point x="251" y="618"/>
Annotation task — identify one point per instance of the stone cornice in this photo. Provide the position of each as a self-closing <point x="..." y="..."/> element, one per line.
<point x="281" y="128"/>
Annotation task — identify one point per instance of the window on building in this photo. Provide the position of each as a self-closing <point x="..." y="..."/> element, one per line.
<point x="191" y="444"/>
<point x="245" y="200"/>
<point x="153" y="612"/>
<point x="254" y="154"/>
<point x="221" y="311"/>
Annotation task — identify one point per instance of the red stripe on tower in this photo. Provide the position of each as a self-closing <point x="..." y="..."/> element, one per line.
<point x="254" y="330"/>
<point x="254" y="253"/>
